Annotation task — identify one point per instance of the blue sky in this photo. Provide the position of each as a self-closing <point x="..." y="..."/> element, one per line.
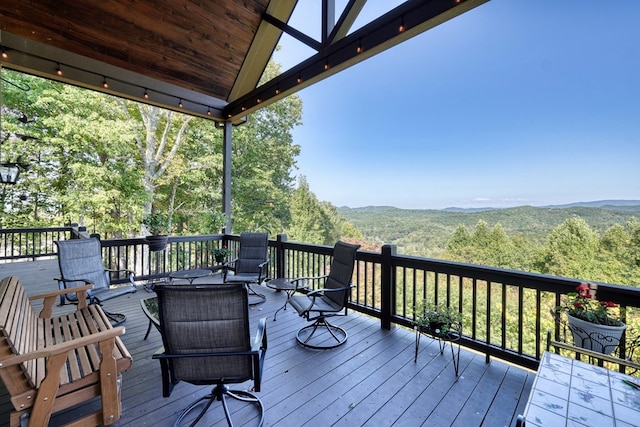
<point x="517" y="102"/>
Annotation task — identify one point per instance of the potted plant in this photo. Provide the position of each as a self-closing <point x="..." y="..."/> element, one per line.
<point x="590" y="321"/>
<point x="156" y="224"/>
<point x="220" y="254"/>
<point x="437" y="320"/>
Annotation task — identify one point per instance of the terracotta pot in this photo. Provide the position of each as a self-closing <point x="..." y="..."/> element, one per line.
<point x="591" y="336"/>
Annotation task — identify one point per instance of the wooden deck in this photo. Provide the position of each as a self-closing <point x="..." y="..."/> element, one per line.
<point x="371" y="380"/>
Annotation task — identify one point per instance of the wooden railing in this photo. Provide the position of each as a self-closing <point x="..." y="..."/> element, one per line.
<point x="506" y="313"/>
<point x="30" y="243"/>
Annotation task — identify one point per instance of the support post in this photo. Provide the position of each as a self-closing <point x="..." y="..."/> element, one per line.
<point x="226" y="174"/>
<point x="281" y="262"/>
<point x="388" y="274"/>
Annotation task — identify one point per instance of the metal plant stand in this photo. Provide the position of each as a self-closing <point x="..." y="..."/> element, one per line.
<point x="452" y="337"/>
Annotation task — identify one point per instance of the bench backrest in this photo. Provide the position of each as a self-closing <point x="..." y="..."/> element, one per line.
<point x="18" y="335"/>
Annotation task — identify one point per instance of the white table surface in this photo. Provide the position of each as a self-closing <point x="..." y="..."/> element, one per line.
<point x="568" y="392"/>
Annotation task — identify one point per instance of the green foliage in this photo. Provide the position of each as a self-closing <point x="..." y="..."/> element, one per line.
<point x="316" y="222"/>
<point x="589" y="243"/>
<point x="263" y="159"/>
<point x="437" y="318"/>
<point x="109" y="160"/>
<point x="220" y="253"/>
<point x="583" y="305"/>
<point x="571" y="249"/>
<point x="156" y="223"/>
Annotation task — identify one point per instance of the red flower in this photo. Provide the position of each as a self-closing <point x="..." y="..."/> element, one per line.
<point x="583" y="305"/>
<point x="582" y="287"/>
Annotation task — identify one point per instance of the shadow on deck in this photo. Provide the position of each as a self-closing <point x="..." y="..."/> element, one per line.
<point x="371" y="380"/>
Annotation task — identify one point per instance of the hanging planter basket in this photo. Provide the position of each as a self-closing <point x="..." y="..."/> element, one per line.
<point x="591" y="336"/>
<point x="157" y="243"/>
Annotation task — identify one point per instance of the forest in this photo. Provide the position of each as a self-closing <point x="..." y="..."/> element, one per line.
<point x="106" y="162"/>
<point x="595" y="243"/>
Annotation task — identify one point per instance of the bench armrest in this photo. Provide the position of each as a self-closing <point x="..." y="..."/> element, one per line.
<point x="63" y="347"/>
<point x="60" y="292"/>
<point x="49" y="298"/>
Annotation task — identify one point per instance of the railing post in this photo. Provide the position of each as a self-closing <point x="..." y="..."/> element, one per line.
<point x="281" y="262"/>
<point x="387" y="277"/>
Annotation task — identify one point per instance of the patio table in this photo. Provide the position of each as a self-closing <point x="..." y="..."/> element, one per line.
<point x="568" y="392"/>
<point x="189" y="275"/>
<point x="150" y="309"/>
<point x="282" y="285"/>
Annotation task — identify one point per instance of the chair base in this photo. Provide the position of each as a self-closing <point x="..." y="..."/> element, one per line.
<point x="255" y="298"/>
<point x="219" y="393"/>
<point x="116" y="319"/>
<point x="328" y="336"/>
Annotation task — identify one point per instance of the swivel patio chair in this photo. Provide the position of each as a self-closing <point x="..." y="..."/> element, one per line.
<point x="330" y="300"/>
<point x="80" y="262"/>
<point x="250" y="267"/>
<point x="206" y="338"/>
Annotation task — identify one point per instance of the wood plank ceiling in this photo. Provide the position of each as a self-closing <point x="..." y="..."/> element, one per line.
<point x="202" y="57"/>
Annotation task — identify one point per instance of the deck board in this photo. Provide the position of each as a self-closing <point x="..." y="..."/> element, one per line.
<point x="371" y="380"/>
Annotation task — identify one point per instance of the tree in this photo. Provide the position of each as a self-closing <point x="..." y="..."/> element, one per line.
<point x="263" y="160"/>
<point x="314" y="221"/>
<point x="570" y="250"/>
<point x="105" y="162"/>
<point x="308" y="222"/>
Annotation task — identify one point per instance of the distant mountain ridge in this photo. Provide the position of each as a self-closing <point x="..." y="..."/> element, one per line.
<point x="426" y="232"/>
<point x="597" y="204"/>
<point x="594" y="204"/>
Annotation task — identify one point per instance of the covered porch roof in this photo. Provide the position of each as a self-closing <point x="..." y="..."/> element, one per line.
<point x="204" y="58"/>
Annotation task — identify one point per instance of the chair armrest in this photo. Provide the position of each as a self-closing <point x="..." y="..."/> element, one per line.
<point x="63" y="347"/>
<point x="260" y="342"/>
<point x="110" y="270"/>
<point x="259" y="350"/>
<point x="320" y="292"/>
<point x="49" y="298"/>
<point x="228" y="266"/>
<point x="297" y="279"/>
<point x="128" y="273"/>
<point x="304" y="280"/>
<point x="263" y="271"/>
<point x="62" y="279"/>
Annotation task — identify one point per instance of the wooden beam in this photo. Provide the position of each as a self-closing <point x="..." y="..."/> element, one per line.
<point x="383" y="33"/>
<point x="261" y="49"/>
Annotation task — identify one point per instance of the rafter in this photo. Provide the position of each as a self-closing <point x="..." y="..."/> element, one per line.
<point x="415" y="17"/>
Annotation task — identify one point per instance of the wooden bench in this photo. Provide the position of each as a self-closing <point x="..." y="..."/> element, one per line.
<point x="50" y="363"/>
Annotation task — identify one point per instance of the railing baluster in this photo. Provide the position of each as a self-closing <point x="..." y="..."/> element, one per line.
<point x="387" y="285"/>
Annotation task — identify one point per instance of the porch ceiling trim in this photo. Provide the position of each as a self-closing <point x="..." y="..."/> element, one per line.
<point x="208" y="56"/>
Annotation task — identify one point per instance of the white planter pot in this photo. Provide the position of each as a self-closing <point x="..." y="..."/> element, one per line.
<point x="600" y="338"/>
